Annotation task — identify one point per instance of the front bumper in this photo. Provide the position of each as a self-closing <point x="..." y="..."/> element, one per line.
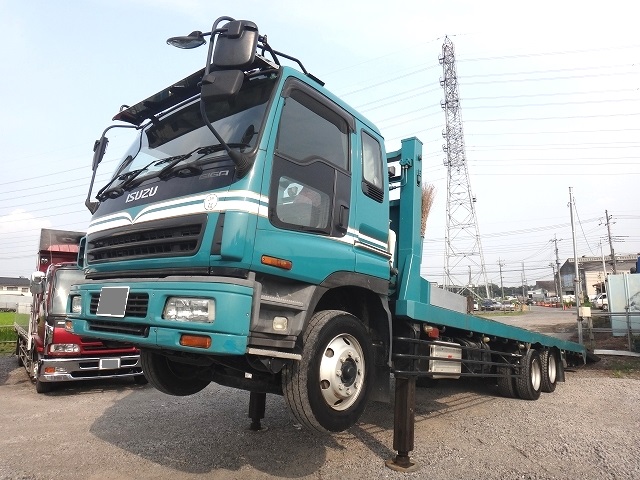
<point x="88" y="368"/>
<point x="145" y="327"/>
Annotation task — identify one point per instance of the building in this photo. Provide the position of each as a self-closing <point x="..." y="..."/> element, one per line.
<point x="15" y="294"/>
<point x="592" y="272"/>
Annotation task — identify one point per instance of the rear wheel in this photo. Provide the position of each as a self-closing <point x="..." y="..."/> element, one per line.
<point x="506" y="383"/>
<point x="20" y="362"/>
<point x="328" y="389"/>
<point x="529" y="381"/>
<point x="549" y="366"/>
<point x="171" y="377"/>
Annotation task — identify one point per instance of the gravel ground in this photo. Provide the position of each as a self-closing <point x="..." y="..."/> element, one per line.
<point x="589" y="428"/>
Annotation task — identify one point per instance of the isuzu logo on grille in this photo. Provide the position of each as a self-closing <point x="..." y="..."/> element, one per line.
<point x="144" y="193"/>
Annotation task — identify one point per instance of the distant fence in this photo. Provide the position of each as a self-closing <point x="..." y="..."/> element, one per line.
<point x="612" y="331"/>
<point x="13" y="306"/>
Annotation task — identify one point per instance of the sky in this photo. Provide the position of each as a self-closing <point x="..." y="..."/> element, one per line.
<point x="549" y="94"/>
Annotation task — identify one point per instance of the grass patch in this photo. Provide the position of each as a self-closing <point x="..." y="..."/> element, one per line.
<point x="7" y="318"/>
<point x="617" y="367"/>
<point x="493" y="315"/>
<point x="8" y="338"/>
<point x="8" y="335"/>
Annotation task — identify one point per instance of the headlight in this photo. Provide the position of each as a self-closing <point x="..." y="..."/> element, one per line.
<point x="64" y="348"/>
<point x="189" y="309"/>
<point x="76" y="304"/>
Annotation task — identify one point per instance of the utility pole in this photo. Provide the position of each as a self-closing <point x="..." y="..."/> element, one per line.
<point x="604" y="268"/>
<point x="524" y="284"/>
<point x="501" y="286"/>
<point x="555" y="241"/>
<point x="577" y="271"/>
<point x="613" y="255"/>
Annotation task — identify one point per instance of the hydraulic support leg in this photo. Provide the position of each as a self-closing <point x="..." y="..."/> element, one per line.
<point x="403" y="425"/>
<point x="257" y="402"/>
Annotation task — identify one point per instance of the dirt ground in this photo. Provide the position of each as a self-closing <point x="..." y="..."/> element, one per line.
<point x="589" y="428"/>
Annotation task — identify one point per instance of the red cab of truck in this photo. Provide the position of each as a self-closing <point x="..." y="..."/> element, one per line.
<point x="50" y="353"/>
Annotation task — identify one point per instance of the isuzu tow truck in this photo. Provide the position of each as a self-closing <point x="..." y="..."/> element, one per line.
<point x="257" y="234"/>
<point x="49" y="353"/>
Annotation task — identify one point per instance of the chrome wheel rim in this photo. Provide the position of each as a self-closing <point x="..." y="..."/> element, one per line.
<point x="342" y="372"/>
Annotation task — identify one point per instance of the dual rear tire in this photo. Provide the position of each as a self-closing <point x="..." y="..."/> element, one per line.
<point x="538" y="373"/>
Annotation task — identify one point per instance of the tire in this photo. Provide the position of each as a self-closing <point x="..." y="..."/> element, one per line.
<point x="529" y="381"/>
<point x="140" y="380"/>
<point x="506" y="383"/>
<point x="170" y="377"/>
<point x="41" y="387"/>
<point x="549" y="366"/>
<point x="20" y="362"/>
<point x="328" y="389"/>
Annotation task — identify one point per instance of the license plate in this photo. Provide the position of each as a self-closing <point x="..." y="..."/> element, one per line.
<point x="109" y="364"/>
<point x="113" y="301"/>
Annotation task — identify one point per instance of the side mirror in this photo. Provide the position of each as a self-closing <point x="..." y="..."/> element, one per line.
<point x="236" y="45"/>
<point x="36" y="285"/>
<point x="99" y="147"/>
<point x="222" y="84"/>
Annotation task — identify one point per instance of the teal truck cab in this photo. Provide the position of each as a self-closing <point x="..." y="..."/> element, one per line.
<point x="257" y="234"/>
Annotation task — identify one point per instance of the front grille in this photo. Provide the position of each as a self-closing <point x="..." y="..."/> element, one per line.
<point x="137" y="304"/>
<point x="167" y="238"/>
<point x="104" y="345"/>
<point x="121" y="328"/>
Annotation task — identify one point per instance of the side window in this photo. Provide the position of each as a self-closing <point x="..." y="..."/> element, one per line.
<point x="372" y="185"/>
<point x="310" y="131"/>
<point x="310" y="181"/>
<point x="302" y="205"/>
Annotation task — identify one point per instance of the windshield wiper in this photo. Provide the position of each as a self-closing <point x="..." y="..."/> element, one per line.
<point x="208" y="150"/>
<point x="174" y="166"/>
<point x="116" y="176"/>
<point x="126" y="180"/>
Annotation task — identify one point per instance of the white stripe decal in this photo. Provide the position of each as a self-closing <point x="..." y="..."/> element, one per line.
<point x="243" y="200"/>
<point x="236" y="200"/>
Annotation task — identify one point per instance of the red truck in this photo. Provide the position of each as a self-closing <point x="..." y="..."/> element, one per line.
<point x="48" y="352"/>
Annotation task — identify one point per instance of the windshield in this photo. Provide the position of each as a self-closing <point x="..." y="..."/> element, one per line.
<point x="180" y="141"/>
<point x="61" y="284"/>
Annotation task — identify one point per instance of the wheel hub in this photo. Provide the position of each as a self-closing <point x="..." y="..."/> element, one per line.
<point x="342" y="372"/>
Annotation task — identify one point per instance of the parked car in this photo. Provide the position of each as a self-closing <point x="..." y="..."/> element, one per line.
<point x="487" y="305"/>
<point x="507" y="306"/>
<point x="601" y="301"/>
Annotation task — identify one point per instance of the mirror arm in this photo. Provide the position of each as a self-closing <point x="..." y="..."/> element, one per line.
<point x="242" y="162"/>
<point x="99" y="149"/>
<point x="214" y="31"/>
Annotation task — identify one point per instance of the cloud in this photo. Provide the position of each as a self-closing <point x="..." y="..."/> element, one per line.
<point x="22" y="221"/>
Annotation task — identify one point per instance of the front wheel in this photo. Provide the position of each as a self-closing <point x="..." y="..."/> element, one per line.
<point x="170" y="377"/>
<point x="328" y="389"/>
<point x="41" y="387"/>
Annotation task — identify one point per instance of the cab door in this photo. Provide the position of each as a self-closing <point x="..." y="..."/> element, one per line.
<point x="309" y="186"/>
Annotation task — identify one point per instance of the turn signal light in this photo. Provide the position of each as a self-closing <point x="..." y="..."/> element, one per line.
<point x="196" y="341"/>
<point x="276" y="262"/>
